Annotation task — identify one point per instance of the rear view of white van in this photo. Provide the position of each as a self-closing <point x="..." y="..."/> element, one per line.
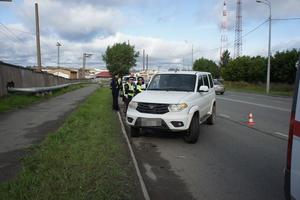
<point x="292" y="171"/>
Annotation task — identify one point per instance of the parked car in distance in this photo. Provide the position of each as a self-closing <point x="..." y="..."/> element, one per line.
<point x="174" y="101"/>
<point x="219" y="87"/>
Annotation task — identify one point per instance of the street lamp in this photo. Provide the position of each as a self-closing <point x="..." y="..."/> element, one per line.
<point x="268" y="3"/>
<point x="58" y="45"/>
<point x="85" y="55"/>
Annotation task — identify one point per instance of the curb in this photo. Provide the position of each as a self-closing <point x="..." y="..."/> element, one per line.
<point x="137" y="169"/>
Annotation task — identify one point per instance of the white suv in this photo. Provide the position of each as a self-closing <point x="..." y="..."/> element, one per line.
<point x="176" y="101"/>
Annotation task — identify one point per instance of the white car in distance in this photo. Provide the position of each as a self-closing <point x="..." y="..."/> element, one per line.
<point x="175" y="101"/>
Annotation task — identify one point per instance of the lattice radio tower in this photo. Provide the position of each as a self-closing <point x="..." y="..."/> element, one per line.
<point x="224" y="27"/>
<point x="238" y="43"/>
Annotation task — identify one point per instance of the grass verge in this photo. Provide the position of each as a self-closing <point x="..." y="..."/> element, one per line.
<point x="85" y="159"/>
<point x="14" y="101"/>
<point x="275" y="88"/>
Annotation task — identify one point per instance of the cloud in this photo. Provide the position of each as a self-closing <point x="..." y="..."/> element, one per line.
<point x="161" y="51"/>
<point x="101" y="3"/>
<point x="73" y="21"/>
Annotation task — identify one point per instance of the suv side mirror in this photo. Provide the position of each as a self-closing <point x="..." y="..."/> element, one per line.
<point x="203" y="88"/>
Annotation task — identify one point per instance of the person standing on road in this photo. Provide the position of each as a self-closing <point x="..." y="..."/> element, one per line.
<point x="129" y="91"/>
<point x="140" y="87"/>
<point x="115" y="88"/>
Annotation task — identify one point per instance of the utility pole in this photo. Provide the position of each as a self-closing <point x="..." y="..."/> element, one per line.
<point x="268" y="3"/>
<point x="224" y="28"/>
<point x="147" y="62"/>
<point x="38" y="43"/>
<point x="58" y="55"/>
<point x="192" y="56"/>
<point x="238" y="42"/>
<point x="143" y="59"/>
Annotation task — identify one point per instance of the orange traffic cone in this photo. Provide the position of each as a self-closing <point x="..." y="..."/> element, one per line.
<point x="250" y="119"/>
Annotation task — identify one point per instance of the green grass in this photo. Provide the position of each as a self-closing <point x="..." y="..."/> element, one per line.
<point x="275" y="88"/>
<point x="85" y="159"/>
<point x="14" y="101"/>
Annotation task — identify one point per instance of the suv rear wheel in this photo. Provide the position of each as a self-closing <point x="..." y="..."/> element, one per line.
<point x="212" y="118"/>
<point x="134" y="132"/>
<point x="193" y="132"/>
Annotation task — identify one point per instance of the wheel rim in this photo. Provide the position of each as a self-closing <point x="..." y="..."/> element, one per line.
<point x="214" y="113"/>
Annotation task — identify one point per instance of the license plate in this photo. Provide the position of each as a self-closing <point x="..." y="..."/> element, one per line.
<point x="150" y="122"/>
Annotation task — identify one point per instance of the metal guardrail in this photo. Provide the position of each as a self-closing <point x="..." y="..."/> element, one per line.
<point x="40" y="89"/>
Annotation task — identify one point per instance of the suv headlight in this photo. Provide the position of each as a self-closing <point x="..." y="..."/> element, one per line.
<point x="177" y="107"/>
<point x="133" y="105"/>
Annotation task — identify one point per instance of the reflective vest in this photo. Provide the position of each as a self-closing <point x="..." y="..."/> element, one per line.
<point x="140" y="88"/>
<point x="130" y="91"/>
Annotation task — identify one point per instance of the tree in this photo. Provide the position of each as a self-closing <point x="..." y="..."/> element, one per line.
<point x="283" y="68"/>
<point x="120" y="58"/>
<point x="245" y="68"/>
<point x="225" y="58"/>
<point x="203" y="64"/>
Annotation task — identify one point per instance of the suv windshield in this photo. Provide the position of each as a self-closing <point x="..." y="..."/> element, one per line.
<point x="173" y="82"/>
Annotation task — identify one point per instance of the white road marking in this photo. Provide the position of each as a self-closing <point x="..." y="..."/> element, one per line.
<point x="4" y="165"/>
<point x="180" y="156"/>
<point x="281" y="134"/>
<point x="224" y="116"/>
<point x="255" y="104"/>
<point x="141" y="180"/>
<point x="149" y="172"/>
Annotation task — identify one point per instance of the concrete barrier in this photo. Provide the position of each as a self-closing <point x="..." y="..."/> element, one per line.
<point x="24" y="78"/>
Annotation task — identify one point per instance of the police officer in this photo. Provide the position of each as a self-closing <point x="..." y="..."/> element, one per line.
<point x="140" y="87"/>
<point x="129" y="92"/>
<point x="115" y="88"/>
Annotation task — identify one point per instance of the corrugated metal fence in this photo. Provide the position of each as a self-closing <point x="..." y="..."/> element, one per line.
<point x="24" y="77"/>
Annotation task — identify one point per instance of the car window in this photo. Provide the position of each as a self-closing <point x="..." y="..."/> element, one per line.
<point x="210" y="81"/>
<point x="216" y="82"/>
<point x="205" y="80"/>
<point x="200" y="82"/>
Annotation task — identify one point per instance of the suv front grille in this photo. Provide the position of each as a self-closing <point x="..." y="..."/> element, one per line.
<point x="153" y="108"/>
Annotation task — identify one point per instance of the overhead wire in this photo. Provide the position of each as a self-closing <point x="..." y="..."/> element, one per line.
<point x="10" y="32"/>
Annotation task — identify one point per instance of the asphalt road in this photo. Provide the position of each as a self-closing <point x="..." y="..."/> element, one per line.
<point x="22" y="128"/>
<point x="230" y="160"/>
<point x="271" y="114"/>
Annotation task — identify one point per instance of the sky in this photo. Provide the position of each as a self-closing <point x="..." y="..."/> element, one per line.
<point x="166" y="29"/>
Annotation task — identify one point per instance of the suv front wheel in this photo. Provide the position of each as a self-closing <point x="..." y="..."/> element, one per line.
<point x="193" y="132"/>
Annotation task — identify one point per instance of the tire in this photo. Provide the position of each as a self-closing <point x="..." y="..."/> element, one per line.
<point x="222" y="93"/>
<point x="212" y="118"/>
<point x="134" y="132"/>
<point x="193" y="133"/>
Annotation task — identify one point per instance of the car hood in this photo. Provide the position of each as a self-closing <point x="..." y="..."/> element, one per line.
<point x="167" y="97"/>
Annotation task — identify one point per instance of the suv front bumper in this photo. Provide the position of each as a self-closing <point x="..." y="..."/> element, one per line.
<point x="170" y="120"/>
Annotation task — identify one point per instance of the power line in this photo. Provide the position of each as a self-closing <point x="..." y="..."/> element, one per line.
<point x="21" y="31"/>
<point x="14" y="40"/>
<point x="10" y="32"/>
<point x="291" y="18"/>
